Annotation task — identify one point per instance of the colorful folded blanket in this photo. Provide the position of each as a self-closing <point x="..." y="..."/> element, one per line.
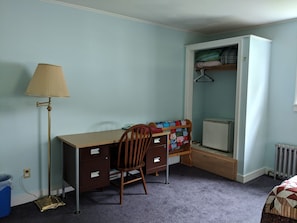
<point x="178" y="136"/>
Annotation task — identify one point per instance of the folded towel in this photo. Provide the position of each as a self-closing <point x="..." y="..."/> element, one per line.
<point x="213" y="63"/>
<point x="208" y="55"/>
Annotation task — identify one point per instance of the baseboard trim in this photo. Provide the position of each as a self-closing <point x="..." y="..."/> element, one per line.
<point x="251" y="176"/>
<point x="27" y="198"/>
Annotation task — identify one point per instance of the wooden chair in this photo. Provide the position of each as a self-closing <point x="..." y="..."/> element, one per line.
<point x="133" y="146"/>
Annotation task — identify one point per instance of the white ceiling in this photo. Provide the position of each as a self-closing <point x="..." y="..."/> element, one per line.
<point x="204" y="16"/>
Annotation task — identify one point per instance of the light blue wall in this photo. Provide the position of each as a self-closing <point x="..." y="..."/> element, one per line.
<point x="107" y="61"/>
<point x="118" y="71"/>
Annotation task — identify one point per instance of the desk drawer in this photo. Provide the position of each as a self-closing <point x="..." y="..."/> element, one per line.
<point x="95" y="152"/>
<point x="94" y="167"/>
<point x="156" y="160"/>
<point x="156" y="157"/>
<point x="94" y="174"/>
<point x="158" y="141"/>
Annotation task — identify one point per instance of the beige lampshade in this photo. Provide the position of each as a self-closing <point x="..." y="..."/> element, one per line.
<point x="48" y="81"/>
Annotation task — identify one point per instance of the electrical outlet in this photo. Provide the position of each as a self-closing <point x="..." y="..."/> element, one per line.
<point x="26" y="173"/>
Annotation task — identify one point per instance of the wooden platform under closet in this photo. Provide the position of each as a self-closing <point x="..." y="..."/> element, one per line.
<point x="214" y="161"/>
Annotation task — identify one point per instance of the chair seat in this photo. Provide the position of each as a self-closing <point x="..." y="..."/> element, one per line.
<point x="125" y="169"/>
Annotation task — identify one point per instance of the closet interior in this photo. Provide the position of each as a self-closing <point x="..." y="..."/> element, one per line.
<point x="214" y="97"/>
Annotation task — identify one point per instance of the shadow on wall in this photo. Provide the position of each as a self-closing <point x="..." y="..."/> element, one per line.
<point x="104" y="126"/>
<point x="14" y="79"/>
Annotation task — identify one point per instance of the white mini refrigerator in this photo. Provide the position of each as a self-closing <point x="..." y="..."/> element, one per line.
<point x="218" y="134"/>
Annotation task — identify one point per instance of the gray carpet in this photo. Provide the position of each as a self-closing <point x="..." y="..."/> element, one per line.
<point x="191" y="196"/>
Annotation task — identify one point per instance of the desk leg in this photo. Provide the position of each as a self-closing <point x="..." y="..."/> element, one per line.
<point x="167" y="165"/>
<point x="167" y="174"/>
<point x="77" y="180"/>
<point x="63" y="182"/>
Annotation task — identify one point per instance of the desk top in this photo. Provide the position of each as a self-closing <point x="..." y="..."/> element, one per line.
<point x="96" y="138"/>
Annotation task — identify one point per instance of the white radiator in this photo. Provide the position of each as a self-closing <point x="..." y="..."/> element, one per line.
<point x="218" y="134"/>
<point x="285" y="165"/>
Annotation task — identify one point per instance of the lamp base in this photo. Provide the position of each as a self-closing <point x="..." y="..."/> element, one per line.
<point x="49" y="202"/>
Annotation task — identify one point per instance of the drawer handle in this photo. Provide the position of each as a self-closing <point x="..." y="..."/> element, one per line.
<point x="95" y="174"/>
<point x="95" y="151"/>
<point x="157" y="159"/>
<point x="157" y="140"/>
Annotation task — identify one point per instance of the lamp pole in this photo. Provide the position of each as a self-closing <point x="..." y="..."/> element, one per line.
<point x="49" y="144"/>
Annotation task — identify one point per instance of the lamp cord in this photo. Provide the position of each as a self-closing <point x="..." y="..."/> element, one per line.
<point x="21" y="181"/>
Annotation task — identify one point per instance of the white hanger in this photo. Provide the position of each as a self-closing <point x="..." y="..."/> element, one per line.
<point x="203" y="77"/>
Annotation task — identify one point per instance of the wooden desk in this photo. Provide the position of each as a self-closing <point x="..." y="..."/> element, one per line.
<point x="86" y="158"/>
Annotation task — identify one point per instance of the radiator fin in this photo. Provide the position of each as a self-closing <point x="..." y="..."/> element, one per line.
<point x="285" y="161"/>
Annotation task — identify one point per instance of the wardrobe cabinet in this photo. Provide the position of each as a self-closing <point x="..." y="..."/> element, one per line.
<point x="250" y="101"/>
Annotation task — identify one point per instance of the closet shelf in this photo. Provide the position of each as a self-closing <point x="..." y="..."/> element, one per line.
<point x="220" y="67"/>
<point x="204" y="77"/>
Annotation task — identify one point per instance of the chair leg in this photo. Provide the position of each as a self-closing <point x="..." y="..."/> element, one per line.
<point x="143" y="180"/>
<point x="122" y="187"/>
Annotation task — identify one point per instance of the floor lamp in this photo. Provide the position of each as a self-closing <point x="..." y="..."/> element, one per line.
<point x="48" y="81"/>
